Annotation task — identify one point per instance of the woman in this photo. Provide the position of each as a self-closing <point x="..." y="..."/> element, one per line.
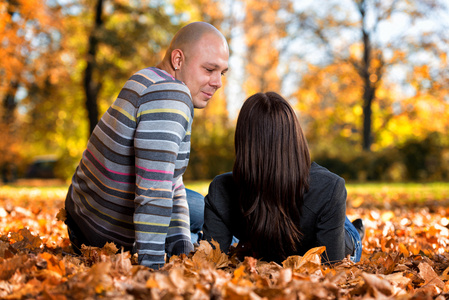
<point x="276" y="202"/>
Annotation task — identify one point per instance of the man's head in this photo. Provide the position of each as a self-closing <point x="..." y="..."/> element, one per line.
<point x="198" y="56"/>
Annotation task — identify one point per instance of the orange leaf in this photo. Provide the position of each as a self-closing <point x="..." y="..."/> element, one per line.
<point x="403" y="249"/>
<point x="53" y="263"/>
<point x="312" y="256"/>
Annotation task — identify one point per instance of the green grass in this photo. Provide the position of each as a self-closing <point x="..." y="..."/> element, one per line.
<point x="200" y="186"/>
<point x="414" y="191"/>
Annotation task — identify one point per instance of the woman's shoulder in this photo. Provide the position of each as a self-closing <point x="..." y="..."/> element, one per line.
<point x="320" y="175"/>
<point x="222" y="186"/>
<point x="224" y="179"/>
<point x="222" y="197"/>
<point x="326" y="189"/>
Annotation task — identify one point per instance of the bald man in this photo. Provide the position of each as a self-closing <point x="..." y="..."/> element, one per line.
<point x="128" y="186"/>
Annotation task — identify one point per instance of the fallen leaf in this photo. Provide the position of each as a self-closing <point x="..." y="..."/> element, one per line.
<point x="430" y="277"/>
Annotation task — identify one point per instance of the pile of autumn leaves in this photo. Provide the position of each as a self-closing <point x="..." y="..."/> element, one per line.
<point x="405" y="257"/>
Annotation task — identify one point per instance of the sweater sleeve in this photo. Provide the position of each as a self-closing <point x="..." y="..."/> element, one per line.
<point x="330" y="223"/>
<point x="160" y="203"/>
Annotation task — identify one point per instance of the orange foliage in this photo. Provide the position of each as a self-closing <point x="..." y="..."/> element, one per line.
<point x="405" y="256"/>
<point x="263" y="29"/>
<point x="20" y="23"/>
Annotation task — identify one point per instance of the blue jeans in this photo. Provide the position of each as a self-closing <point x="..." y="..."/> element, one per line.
<point x="196" y="211"/>
<point x="353" y="235"/>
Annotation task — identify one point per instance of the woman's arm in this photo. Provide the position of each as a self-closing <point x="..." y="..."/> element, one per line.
<point x="330" y="223"/>
<point x="216" y="213"/>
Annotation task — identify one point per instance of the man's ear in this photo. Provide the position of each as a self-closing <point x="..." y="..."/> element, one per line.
<point x="177" y="58"/>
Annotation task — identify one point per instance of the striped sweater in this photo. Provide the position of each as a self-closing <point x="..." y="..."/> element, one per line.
<point x="128" y="187"/>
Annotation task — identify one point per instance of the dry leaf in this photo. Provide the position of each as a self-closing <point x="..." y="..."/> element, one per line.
<point x="404" y="257"/>
<point x="430" y="277"/>
<point x="312" y="256"/>
<point x="62" y="215"/>
<point x="205" y="253"/>
<point x="378" y="284"/>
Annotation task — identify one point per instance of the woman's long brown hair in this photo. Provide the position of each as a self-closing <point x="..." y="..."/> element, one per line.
<point x="272" y="171"/>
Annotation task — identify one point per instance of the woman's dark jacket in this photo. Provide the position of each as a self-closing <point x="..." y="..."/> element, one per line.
<point x="322" y="216"/>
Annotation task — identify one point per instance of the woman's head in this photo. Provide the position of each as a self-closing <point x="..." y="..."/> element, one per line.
<point x="271" y="169"/>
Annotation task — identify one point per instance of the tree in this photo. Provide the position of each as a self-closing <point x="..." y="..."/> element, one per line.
<point x="338" y="27"/>
<point x="120" y="33"/>
<point x="264" y="29"/>
<point x="92" y="86"/>
<point x="29" y="39"/>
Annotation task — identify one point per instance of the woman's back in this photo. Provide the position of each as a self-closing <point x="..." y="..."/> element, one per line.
<point x="321" y="221"/>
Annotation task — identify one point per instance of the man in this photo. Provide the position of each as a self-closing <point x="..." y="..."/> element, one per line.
<point x="128" y="187"/>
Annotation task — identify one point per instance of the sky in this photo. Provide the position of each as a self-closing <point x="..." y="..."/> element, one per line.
<point x="389" y="31"/>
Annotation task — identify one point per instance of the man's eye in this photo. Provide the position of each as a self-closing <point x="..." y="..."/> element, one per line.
<point x="209" y="70"/>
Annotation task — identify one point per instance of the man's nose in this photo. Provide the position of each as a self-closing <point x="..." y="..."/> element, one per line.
<point x="216" y="81"/>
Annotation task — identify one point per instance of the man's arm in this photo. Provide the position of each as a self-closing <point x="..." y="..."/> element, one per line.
<point x="162" y="127"/>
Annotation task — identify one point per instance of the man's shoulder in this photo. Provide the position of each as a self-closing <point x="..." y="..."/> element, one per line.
<point x="156" y="79"/>
<point x="151" y="84"/>
<point x="155" y="75"/>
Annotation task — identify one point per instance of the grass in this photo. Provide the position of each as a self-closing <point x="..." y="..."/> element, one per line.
<point x="201" y="186"/>
<point x="414" y="191"/>
<point x="400" y="192"/>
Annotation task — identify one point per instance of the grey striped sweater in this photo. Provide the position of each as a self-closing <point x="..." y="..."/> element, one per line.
<point x="128" y="186"/>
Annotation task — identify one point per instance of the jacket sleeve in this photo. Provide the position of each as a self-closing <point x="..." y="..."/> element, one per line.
<point x="330" y="223"/>
<point x="161" y="218"/>
<point x="215" y="212"/>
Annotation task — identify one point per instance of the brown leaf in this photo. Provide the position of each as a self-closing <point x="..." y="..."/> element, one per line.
<point x="205" y="253"/>
<point x="445" y="275"/>
<point x="398" y="279"/>
<point x="378" y="284"/>
<point x="109" y="249"/>
<point x="26" y="240"/>
<point x="430" y="277"/>
<point x="61" y="215"/>
<point x="6" y="250"/>
<point x="9" y="266"/>
<point x="312" y="256"/>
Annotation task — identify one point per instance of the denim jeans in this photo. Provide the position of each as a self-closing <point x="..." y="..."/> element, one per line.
<point x="353" y="236"/>
<point x="196" y="211"/>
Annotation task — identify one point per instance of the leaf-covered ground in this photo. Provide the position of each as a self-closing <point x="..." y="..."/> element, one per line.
<point x="405" y="257"/>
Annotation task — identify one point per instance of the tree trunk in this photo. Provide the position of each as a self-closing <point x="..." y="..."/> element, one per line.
<point x="9" y="103"/>
<point x="91" y="86"/>
<point x="368" y="96"/>
<point x="368" y="86"/>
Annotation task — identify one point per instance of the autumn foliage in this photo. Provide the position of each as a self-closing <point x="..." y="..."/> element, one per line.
<point x="405" y="257"/>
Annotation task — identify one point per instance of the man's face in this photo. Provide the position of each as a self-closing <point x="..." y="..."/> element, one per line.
<point x="205" y="63"/>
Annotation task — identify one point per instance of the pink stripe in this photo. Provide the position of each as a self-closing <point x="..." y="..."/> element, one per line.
<point x="178" y="186"/>
<point x="126" y="174"/>
<point x="157" y="74"/>
<point x="106" y="176"/>
<point x="155" y="171"/>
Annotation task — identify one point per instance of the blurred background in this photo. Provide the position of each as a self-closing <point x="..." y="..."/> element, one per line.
<point x="369" y="79"/>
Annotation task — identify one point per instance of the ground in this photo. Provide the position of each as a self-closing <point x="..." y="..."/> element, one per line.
<point x="405" y="256"/>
